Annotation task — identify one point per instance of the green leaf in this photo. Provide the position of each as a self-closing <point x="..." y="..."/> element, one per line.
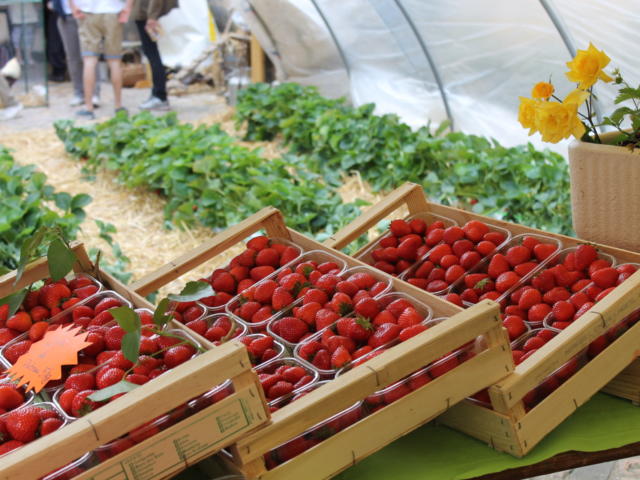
<point x="131" y="345"/>
<point x="193" y="291"/>
<point x="60" y="258"/>
<point x="160" y="317"/>
<point x="62" y="200"/>
<point x="14" y="300"/>
<point x="112" y="390"/>
<point x="127" y="318"/>
<point x="80" y="200"/>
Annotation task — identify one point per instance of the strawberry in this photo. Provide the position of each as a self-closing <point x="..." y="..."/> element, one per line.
<point x="411" y="331"/>
<point x="177" y="355"/>
<point x="360" y="329"/>
<point x="396" y="307"/>
<point x="315" y="295"/>
<point x="538" y="312"/>
<point x="6" y="447"/>
<point x="324" y="318"/>
<point x="52" y="295"/>
<point x="37" y="331"/>
<point x="15" y="351"/>
<point x="498" y="265"/>
<point x="263" y="291"/>
<point x="269" y="257"/>
<point x="515" y="326"/>
<point x="291" y="328"/>
<point x="443" y="366"/>
<point x="50" y="425"/>
<point x="106" y="377"/>
<point x="475" y="230"/>
<point x="469" y="260"/>
<point x="454" y="298"/>
<point x="85" y="292"/>
<point x="259" y="346"/>
<point x="418" y="380"/>
<point x="384" y="334"/>
<point x="399" y="228"/>
<point x="542" y="251"/>
<point x="258" y="243"/>
<point x="340" y="357"/>
<point x="80" y="381"/>
<point x="533" y="343"/>
<point x="20" y="322"/>
<point x="23" y="424"/>
<point x="281" y="298"/>
<point x="563" y="311"/>
<point x="603" y="278"/>
<point x="279" y="389"/>
<point x="506" y="280"/>
<point x="322" y="360"/>
<point x="544" y="281"/>
<point x="529" y="298"/>
<point x="307" y="312"/>
<point x="396" y="393"/>
<point x="462" y="246"/>
<point x="585" y="255"/>
<point x="10" y="397"/>
<point x="113" y="337"/>
<point x="367" y="307"/>
<point x="409" y="317"/>
<point x="106" y="304"/>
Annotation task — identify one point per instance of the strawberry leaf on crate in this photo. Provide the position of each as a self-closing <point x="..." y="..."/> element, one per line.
<point x="160" y="317"/>
<point x="193" y="291"/>
<point x="127" y="318"/>
<point x="14" y="300"/>
<point x="111" y="391"/>
<point x="60" y="258"/>
<point x="131" y="345"/>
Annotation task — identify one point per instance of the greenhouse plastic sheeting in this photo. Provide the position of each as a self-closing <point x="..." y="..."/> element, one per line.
<point x="466" y="61"/>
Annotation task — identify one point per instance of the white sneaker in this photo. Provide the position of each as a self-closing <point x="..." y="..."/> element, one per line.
<point x="11" y="112"/>
<point x="154" y="103"/>
<point x="76" y="101"/>
<point x="96" y="101"/>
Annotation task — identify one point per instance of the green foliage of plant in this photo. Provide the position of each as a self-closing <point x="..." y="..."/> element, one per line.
<point x="204" y="174"/>
<point x="119" y="267"/>
<point x="518" y="184"/>
<point x="27" y="204"/>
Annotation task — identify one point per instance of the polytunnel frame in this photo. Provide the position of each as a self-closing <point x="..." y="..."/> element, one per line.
<point x="545" y="4"/>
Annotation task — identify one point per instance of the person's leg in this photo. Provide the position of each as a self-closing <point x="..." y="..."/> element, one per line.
<point x="68" y="29"/>
<point x="115" y="71"/>
<point x="150" y="50"/>
<point x="89" y="79"/>
<point x="113" y="54"/>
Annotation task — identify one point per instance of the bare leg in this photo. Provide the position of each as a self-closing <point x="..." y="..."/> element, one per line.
<point x="89" y="79"/>
<point x="115" y="69"/>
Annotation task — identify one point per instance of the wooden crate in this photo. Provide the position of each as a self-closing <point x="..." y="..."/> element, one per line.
<point x="377" y="430"/>
<point x="508" y="427"/>
<point x="168" y="452"/>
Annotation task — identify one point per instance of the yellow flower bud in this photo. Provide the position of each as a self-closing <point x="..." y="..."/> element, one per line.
<point x="527" y="114"/>
<point x="542" y="90"/>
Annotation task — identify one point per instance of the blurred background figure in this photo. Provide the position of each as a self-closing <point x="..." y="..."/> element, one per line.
<point x="24" y="21"/>
<point x="146" y="14"/>
<point x="68" y="29"/>
<point x="9" y="106"/>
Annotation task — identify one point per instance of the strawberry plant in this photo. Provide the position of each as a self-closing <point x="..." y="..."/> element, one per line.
<point x="205" y="176"/>
<point x="517" y="184"/>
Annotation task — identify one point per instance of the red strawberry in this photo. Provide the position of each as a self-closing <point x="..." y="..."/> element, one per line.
<point x="400" y="228"/>
<point x="529" y="298"/>
<point x="258" y="273"/>
<point x="542" y="251"/>
<point x="177" y="355"/>
<point x="563" y="311"/>
<point x="80" y="381"/>
<point x="409" y="317"/>
<point x="279" y="389"/>
<point x="260" y="345"/>
<point x="10" y="397"/>
<point x="360" y="329"/>
<point x="585" y="255"/>
<point x="106" y="304"/>
<point x="268" y="256"/>
<point x="281" y="298"/>
<point x="37" y="331"/>
<point x="15" y="351"/>
<point x="106" y="377"/>
<point x="398" y="306"/>
<point x="264" y="291"/>
<point x="21" y="321"/>
<point x="113" y="338"/>
<point x="367" y="307"/>
<point x="85" y="292"/>
<point x="498" y="265"/>
<point x="258" y="243"/>
<point x="50" y="425"/>
<point x="384" y="334"/>
<point x="292" y="329"/>
<point x="411" y="331"/>
<point x="443" y="366"/>
<point x="23" y="424"/>
<point x="340" y="357"/>
<point x="604" y="278"/>
<point x="537" y="313"/>
<point x="52" y="295"/>
<point x="6" y="447"/>
<point x="322" y="360"/>
<point x="81" y="405"/>
<point x="515" y="326"/>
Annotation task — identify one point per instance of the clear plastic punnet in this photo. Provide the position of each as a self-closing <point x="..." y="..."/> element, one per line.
<point x="273" y="366"/>
<point x="235" y="306"/>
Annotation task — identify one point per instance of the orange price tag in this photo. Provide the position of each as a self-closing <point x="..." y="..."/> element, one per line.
<point x="45" y="358"/>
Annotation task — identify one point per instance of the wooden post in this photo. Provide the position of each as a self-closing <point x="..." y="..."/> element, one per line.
<point x="257" y="61"/>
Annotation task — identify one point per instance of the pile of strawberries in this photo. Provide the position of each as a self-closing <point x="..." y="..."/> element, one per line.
<point x="261" y="258"/>
<point x="406" y="243"/>
<point x="25" y="424"/>
<point x="187" y="312"/>
<point x="261" y="348"/>
<point x="314" y="436"/>
<point x="42" y="304"/>
<point x="458" y="250"/>
<point x="11" y="397"/>
<point x="281" y="377"/>
<point x="321" y="306"/>
<point x="158" y="354"/>
<point x="505" y="269"/>
<point x="216" y="327"/>
<point x="260" y="302"/>
<point x="558" y="289"/>
<point x="375" y="323"/>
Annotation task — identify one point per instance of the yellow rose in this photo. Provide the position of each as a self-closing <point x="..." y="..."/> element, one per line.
<point x="542" y="90"/>
<point x="586" y="67"/>
<point x="527" y="114"/>
<point x="557" y="121"/>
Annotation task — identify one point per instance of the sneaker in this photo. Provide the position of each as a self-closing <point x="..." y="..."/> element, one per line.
<point x="96" y="101"/>
<point x="154" y="103"/>
<point x="88" y="114"/>
<point x="11" y="112"/>
<point x="76" y="101"/>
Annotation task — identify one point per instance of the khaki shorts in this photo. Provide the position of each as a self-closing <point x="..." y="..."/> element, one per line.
<point x="98" y="29"/>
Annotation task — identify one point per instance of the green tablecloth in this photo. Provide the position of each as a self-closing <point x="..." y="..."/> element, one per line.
<point x="439" y="453"/>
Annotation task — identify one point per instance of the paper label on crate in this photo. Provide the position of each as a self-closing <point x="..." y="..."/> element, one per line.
<point x="182" y="445"/>
<point x="45" y="358"/>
